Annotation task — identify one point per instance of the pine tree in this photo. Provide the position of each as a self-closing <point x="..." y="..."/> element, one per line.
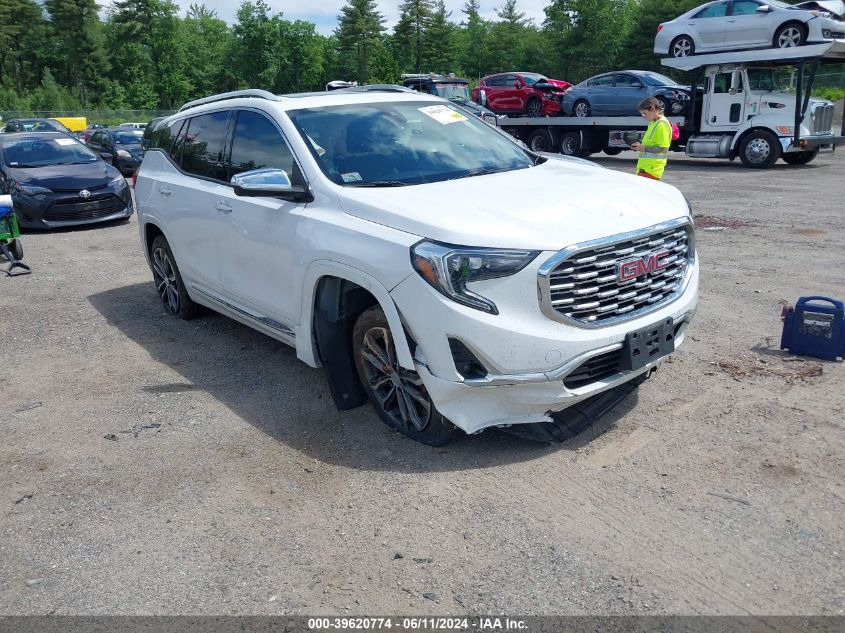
<point x="359" y="30"/>
<point x="439" y="41"/>
<point x="77" y="36"/>
<point x="508" y="36"/>
<point x="474" y="36"/>
<point x="409" y="40"/>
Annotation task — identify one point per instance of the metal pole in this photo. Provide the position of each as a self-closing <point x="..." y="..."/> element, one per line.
<point x="809" y="90"/>
<point x="796" y="132"/>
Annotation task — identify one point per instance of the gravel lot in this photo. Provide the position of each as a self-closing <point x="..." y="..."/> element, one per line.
<point x="154" y="466"/>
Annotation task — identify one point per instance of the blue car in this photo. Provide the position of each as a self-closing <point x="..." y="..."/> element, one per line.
<point x="620" y="92"/>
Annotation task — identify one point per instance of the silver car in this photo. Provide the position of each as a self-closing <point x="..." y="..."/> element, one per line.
<point x="738" y="24"/>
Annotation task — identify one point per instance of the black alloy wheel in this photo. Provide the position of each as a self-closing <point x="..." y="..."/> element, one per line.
<point x="169" y="285"/>
<point x="398" y="395"/>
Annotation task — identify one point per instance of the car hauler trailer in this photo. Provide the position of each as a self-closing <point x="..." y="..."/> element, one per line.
<point x="738" y="114"/>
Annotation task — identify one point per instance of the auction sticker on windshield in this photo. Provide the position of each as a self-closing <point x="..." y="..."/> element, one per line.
<point x="64" y="141"/>
<point x="352" y="176"/>
<point x="443" y="114"/>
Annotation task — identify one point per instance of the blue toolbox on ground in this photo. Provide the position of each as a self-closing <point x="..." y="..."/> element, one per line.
<point x="815" y="327"/>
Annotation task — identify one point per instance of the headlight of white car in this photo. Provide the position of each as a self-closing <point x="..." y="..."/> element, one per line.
<point x="449" y="268"/>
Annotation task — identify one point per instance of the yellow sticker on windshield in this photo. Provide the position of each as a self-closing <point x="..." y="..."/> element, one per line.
<point x="443" y="114"/>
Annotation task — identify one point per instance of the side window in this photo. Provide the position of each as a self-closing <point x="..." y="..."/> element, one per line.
<point x="257" y="143"/>
<point x="202" y="150"/>
<point x="719" y="10"/>
<point x="510" y="80"/>
<point x="744" y="7"/>
<point x="164" y="138"/>
<point x="605" y="81"/>
<point x="498" y="80"/>
<point x="722" y="84"/>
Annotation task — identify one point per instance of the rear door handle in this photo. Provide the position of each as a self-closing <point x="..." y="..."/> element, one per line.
<point x="164" y="191"/>
<point x="225" y="207"/>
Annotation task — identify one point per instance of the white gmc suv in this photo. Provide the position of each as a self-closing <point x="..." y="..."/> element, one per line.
<point x="425" y="259"/>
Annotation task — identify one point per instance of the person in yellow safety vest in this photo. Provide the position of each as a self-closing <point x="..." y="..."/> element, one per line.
<point x="654" y="150"/>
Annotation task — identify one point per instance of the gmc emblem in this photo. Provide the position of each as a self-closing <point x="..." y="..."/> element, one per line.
<point x="638" y="267"/>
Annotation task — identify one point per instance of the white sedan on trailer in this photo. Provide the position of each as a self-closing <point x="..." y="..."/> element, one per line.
<point x="741" y="24"/>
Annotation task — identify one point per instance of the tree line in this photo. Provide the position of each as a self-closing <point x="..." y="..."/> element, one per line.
<point x="61" y="55"/>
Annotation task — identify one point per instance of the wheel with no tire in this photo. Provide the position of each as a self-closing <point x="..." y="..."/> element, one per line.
<point x="790" y="35"/>
<point x="582" y="108"/>
<point x="760" y="149"/>
<point x="540" y="141"/>
<point x="534" y="108"/>
<point x="397" y="394"/>
<point x="682" y="46"/>
<point x="171" y="289"/>
<point x="16" y="249"/>
<point x="800" y="158"/>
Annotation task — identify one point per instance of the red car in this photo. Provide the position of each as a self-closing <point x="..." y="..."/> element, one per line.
<point x="530" y="94"/>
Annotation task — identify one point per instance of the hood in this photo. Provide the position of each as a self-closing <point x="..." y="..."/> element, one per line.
<point x="68" y="177"/>
<point x="560" y="84"/>
<point x="836" y="7"/>
<point x="546" y="207"/>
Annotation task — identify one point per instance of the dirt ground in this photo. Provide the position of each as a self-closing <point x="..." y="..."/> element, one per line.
<point x="155" y="466"/>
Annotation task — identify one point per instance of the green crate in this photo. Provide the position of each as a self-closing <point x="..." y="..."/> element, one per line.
<point x="9" y="227"/>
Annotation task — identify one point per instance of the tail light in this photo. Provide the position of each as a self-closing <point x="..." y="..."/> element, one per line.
<point x="659" y="28"/>
<point x="134" y="178"/>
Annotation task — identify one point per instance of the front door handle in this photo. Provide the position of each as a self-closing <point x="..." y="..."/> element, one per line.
<point x="164" y="191"/>
<point x="712" y="119"/>
<point x="225" y="207"/>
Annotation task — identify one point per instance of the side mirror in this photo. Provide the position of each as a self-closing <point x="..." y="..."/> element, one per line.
<point x="517" y="85"/>
<point x="106" y="155"/>
<point x="270" y="182"/>
<point x="764" y="8"/>
<point x="736" y="82"/>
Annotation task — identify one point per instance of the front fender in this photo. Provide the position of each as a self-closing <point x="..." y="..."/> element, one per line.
<point x="306" y="349"/>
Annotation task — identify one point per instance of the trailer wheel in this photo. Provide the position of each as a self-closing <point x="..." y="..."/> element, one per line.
<point x="800" y="158"/>
<point x="540" y="141"/>
<point x="571" y="144"/>
<point x="759" y="150"/>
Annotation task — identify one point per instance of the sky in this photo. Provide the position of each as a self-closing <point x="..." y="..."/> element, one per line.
<point x="324" y="13"/>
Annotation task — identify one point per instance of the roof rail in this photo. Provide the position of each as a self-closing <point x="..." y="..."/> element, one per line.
<point x="236" y="94"/>
<point x="377" y="88"/>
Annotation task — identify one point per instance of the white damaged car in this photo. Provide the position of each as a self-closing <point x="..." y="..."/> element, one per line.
<point x="428" y="262"/>
<point x="727" y="25"/>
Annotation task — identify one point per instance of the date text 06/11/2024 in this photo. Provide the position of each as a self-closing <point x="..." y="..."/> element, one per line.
<point x="416" y="624"/>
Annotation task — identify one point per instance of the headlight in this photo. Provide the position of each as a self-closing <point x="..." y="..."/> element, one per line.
<point x="31" y="190"/>
<point x="123" y="153"/>
<point x="118" y="182"/>
<point x="448" y="269"/>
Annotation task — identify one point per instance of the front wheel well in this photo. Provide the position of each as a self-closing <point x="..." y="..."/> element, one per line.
<point x="337" y="305"/>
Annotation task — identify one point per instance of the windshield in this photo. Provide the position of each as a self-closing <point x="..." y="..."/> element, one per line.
<point x="44" y="152"/>
<point x="451" y="91"/>
<point x="532" y="79"/>
<point x="127" y="138"/>
<point x="656" y="79"/>
<point x="404" y="143"/>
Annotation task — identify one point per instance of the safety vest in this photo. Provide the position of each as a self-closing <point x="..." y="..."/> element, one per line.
<point x="656" y="142"/>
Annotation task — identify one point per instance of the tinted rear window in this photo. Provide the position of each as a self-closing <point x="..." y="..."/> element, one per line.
<point x="202" y="152"/>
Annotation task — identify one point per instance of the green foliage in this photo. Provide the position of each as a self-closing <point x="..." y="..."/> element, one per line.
<point x="62" y="56"/>
<point x="359" y="31"/>
<point x="639" y="44"/>
<point x="831" y="94"/>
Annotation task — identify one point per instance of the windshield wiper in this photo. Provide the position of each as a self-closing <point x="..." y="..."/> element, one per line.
<point x="486" y="172"/>
<point x="378" y="183"/>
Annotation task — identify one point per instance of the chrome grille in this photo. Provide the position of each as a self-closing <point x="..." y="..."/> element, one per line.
<point x="583" y="283"/>
<point x="822" y="119"/>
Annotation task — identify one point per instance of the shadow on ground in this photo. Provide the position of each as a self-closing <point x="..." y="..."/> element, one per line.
<point x="263" y="382"/>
